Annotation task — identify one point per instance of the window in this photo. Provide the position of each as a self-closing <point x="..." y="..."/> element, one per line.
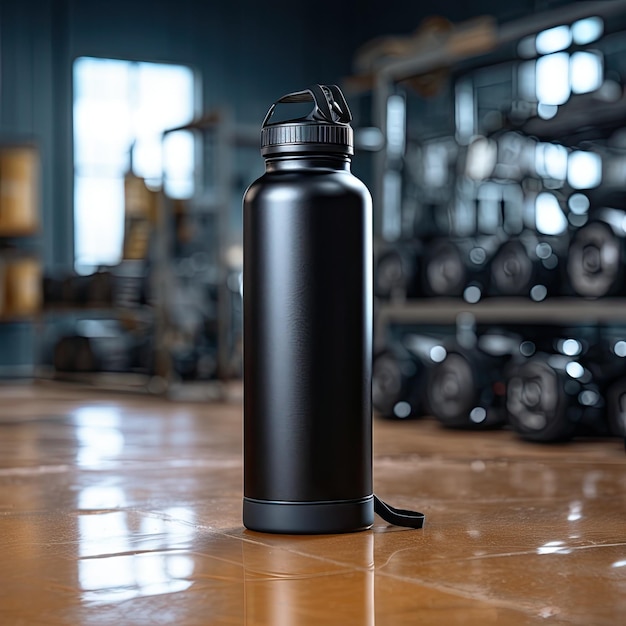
<point x="556" y="74"/>
<point x="121" y="106"/>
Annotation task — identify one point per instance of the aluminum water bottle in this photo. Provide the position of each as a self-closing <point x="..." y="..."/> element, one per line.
<point x="308" y="327"/>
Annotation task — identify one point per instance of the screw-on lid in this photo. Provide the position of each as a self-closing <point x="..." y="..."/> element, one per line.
<point x="326" y="129"/>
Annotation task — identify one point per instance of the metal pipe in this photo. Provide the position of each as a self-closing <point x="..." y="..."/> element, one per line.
<point x="469" y="43"/>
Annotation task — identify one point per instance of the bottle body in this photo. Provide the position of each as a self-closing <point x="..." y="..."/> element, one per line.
<point x="307" y="349"/>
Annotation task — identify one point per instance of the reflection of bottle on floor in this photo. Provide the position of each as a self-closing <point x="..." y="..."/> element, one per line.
<point x="282" y="587"/>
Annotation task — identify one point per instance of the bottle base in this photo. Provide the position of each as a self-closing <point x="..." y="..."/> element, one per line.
<point x="304" y="518"/>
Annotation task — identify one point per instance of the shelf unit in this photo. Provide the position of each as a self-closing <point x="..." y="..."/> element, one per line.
<point x="506" y="310"/>
<point x="450" y="57"/>
<point x="220" y="138"/>
<point x="471" y="45"/>
<point x="20" y="257"/>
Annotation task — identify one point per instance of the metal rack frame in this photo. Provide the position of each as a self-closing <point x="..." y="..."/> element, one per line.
<point x="473" y="45"/>
<point x="228" y="136"/>
<point x="471" y="42"/>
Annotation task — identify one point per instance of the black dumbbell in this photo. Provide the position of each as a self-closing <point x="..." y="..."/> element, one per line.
<point x="595" y="263"/>
<point x="552" y="397"/>
<point x="466" y="388"/>
<point x="398" y="377"/>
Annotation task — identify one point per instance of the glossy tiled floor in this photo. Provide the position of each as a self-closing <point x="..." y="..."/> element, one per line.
<point x="126" y="510"/>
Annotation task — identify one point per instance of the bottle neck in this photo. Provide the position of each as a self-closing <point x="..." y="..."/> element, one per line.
<point x="338" y="162"/>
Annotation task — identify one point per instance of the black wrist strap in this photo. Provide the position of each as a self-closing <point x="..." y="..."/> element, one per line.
<point x="399" y="517"/>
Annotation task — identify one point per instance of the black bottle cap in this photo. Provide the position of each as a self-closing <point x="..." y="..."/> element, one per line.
<point x="326" y="129"/>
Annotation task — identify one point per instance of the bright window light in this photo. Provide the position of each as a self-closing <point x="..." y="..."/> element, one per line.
<point x="585" y="71"/>
<point x="489" y="208"/>
<point x="551" y="161"/>
<point x="553" y="85"/>
<point x="472" y="294"/>
<point x="396" y="125"/>
<point x="402" y="409"/>
<point x="553" y="40"/>
<point x="438" y="354"/>
<point x="549" y="217"/>
<point x="547" y="111"/>
<point x="538" y="293"/>
<point x="482" y="155"/>
<point x="584" y="170"/>
<point x="435" y="164"/>
<point x="178" y="164"/>
<point x="574" y="369"/>
<point x="465" y="110"/>
<point x="527" y="81"/>
<point x="571" y="347"/>
<point x="392" y="200"/>
<point x="587" y="30"/>
<point x="117" y="104"/>
<point x="578" y="203"/>
<point x="370" y="138"/>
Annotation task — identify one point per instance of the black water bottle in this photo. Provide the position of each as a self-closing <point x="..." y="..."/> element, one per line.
<point x="307" y="327"/>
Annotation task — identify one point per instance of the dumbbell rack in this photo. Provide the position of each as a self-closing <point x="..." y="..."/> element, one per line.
<point x="448" y="311"/>
<point x="213" y="200"/>
<point x="52" y="315"/>
<point x="469" y="79"/>
<point x="219" y="137"/>
<point x="477" y="44"/>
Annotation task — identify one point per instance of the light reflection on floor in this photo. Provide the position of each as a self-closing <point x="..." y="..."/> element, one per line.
<point x="123" y="554"/>
<point x="119" y="510"/>
<point x="99" y="436"/>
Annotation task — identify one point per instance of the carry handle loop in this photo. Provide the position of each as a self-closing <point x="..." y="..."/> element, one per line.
<point x="329" y="104"/>
<point x="398" y="517"/>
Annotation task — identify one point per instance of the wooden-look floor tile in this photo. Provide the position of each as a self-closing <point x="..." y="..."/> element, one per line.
<point x="127" y="510"/>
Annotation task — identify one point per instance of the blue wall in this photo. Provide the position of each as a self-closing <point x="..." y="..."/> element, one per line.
<point x="247" y="52"/>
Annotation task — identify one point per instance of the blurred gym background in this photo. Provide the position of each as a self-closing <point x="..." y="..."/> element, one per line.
<point x="491" y="135"/>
